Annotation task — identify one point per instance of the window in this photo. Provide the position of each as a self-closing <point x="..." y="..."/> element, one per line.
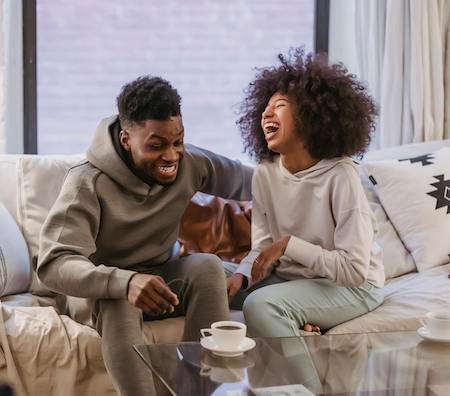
<point x="86" y="50"/>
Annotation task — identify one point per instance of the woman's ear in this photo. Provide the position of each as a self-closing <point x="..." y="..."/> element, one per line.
<point x="124" y="138"/>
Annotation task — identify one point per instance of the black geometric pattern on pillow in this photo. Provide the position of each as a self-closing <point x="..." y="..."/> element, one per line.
<point x="424" y="159"/>
<point x="442" y="192"/>
<point x="372" y="179"/>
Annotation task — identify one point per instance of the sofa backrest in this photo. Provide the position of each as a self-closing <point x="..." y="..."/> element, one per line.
<point x="30" y="185"/>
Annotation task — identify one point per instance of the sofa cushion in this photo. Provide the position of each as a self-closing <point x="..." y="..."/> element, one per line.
<point x="397" y="260"/>
<point x="8" y="176"/>
<point x="406" y="150"/>
<point x="415" y="193"/>
<point x="406" y="301"/>
<point x="14" y="262"/>
<point x="40" y="180"/>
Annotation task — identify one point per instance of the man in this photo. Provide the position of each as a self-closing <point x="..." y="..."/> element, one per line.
<point x="109" y="242"/>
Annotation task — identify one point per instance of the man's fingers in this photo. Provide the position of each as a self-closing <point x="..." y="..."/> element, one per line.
<point x="161" y="302"/>
<point x="161" y="288"/>
<point x="148" y="306"/>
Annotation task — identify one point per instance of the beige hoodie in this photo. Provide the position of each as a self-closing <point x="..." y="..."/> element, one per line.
<point x="108" y="224"/>
<point x="326" y="214"/>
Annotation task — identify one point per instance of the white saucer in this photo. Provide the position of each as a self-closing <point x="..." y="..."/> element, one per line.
<point x="245" y="346"/>
<point x="424" y="333"/>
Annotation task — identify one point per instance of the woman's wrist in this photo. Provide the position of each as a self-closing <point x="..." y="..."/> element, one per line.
<point x="283" y="243"/>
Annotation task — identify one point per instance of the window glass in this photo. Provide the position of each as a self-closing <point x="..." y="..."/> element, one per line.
<point x="87" y="50"/>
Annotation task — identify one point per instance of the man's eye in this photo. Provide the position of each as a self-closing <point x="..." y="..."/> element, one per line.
<point x="155" y="146"/>
<point x="179" y="143"/>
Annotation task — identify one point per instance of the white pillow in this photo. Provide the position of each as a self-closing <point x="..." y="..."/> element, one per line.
<point x="415" y="193"/>
<point x="14" y="260"/>
<point x="41" y="178"/>
<point x="396" y="258"/>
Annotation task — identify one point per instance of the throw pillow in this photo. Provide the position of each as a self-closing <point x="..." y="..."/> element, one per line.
<point x="41" y="178"/>
<point x="397" y="260"/>
<point x="14" y="260"/>
<point x="415" y="193"/>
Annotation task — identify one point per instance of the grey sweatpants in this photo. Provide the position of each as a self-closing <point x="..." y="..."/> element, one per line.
<point x="199" y="282"/>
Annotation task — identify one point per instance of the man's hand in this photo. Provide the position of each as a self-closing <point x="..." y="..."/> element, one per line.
<point x="268" y="256"/>
<point x="234" y="284"/>
<point x="151" y="294"/>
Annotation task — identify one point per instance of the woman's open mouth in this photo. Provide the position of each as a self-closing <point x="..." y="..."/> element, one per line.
<point x="270" y="129"/>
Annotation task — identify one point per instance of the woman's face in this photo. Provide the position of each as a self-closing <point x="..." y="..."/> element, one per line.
<point x="279" y="125"/>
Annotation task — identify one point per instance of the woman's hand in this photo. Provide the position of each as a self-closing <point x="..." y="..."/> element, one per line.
<point x="268" y="256"/>
<point x="234" y="284"/>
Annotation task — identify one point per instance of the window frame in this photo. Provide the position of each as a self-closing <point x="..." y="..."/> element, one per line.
<point x="30" y="138"/>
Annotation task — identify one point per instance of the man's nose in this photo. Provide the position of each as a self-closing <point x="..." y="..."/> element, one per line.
<point x="171" y="154"/>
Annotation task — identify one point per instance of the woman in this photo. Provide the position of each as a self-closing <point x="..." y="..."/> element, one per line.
<point x="314" y="263"/>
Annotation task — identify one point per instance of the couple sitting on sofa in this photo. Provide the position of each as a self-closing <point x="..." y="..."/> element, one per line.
<point x="109" y="241"/>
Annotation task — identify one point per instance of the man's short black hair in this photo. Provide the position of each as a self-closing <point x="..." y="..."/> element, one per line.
<point x="147" y="98"/>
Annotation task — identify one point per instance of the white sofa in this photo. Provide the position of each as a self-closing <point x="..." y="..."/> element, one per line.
<point x="45" y="353"/>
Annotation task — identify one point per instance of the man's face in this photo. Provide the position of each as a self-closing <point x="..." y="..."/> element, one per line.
<point x="156" y="148"/>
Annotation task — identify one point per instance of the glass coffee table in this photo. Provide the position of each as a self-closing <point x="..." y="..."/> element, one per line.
<point x="397" y="363"/>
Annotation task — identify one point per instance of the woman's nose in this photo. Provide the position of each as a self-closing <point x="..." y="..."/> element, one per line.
<point x="268" y="111"/>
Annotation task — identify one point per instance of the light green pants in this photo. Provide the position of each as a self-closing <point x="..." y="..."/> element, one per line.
<point x="279" y="308"/>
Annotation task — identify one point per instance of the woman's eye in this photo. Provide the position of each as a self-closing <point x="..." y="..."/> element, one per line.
<point x="155" y="146"/>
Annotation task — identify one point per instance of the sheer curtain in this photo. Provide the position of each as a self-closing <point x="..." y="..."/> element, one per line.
<point x="403" y="53"/>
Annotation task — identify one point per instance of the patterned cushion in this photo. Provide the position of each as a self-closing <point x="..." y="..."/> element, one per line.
<point x="415" y="193"/>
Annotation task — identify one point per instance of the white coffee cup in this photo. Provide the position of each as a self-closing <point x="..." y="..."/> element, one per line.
<point x="437" y="323"/>
<point x="227" y="334"/>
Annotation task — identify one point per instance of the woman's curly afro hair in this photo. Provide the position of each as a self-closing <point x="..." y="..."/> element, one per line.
<point x="335" y="116"/>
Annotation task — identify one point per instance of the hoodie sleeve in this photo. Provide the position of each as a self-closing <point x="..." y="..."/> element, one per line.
<point x="67" y="240"/>
<point x="348" y="263"/>
<point x="224" y="177"/>
<point x="261" y="236"/>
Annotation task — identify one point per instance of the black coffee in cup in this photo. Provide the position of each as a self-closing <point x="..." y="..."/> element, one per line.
<point x="228" y="327"/>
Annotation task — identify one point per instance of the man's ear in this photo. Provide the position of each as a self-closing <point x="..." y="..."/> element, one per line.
<point x="124" y="138"/>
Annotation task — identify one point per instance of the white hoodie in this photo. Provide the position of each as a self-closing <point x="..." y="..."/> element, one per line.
<point x="326" y="214"/>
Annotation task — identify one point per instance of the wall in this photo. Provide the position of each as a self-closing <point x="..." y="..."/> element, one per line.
<point x="11" y="70"/>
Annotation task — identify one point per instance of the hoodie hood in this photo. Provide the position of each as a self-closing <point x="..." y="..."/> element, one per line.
<point x="317" y="170"/>
<point x="103" y="155"/>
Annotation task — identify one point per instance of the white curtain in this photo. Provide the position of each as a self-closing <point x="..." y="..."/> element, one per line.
<point x="403" y="53"/>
